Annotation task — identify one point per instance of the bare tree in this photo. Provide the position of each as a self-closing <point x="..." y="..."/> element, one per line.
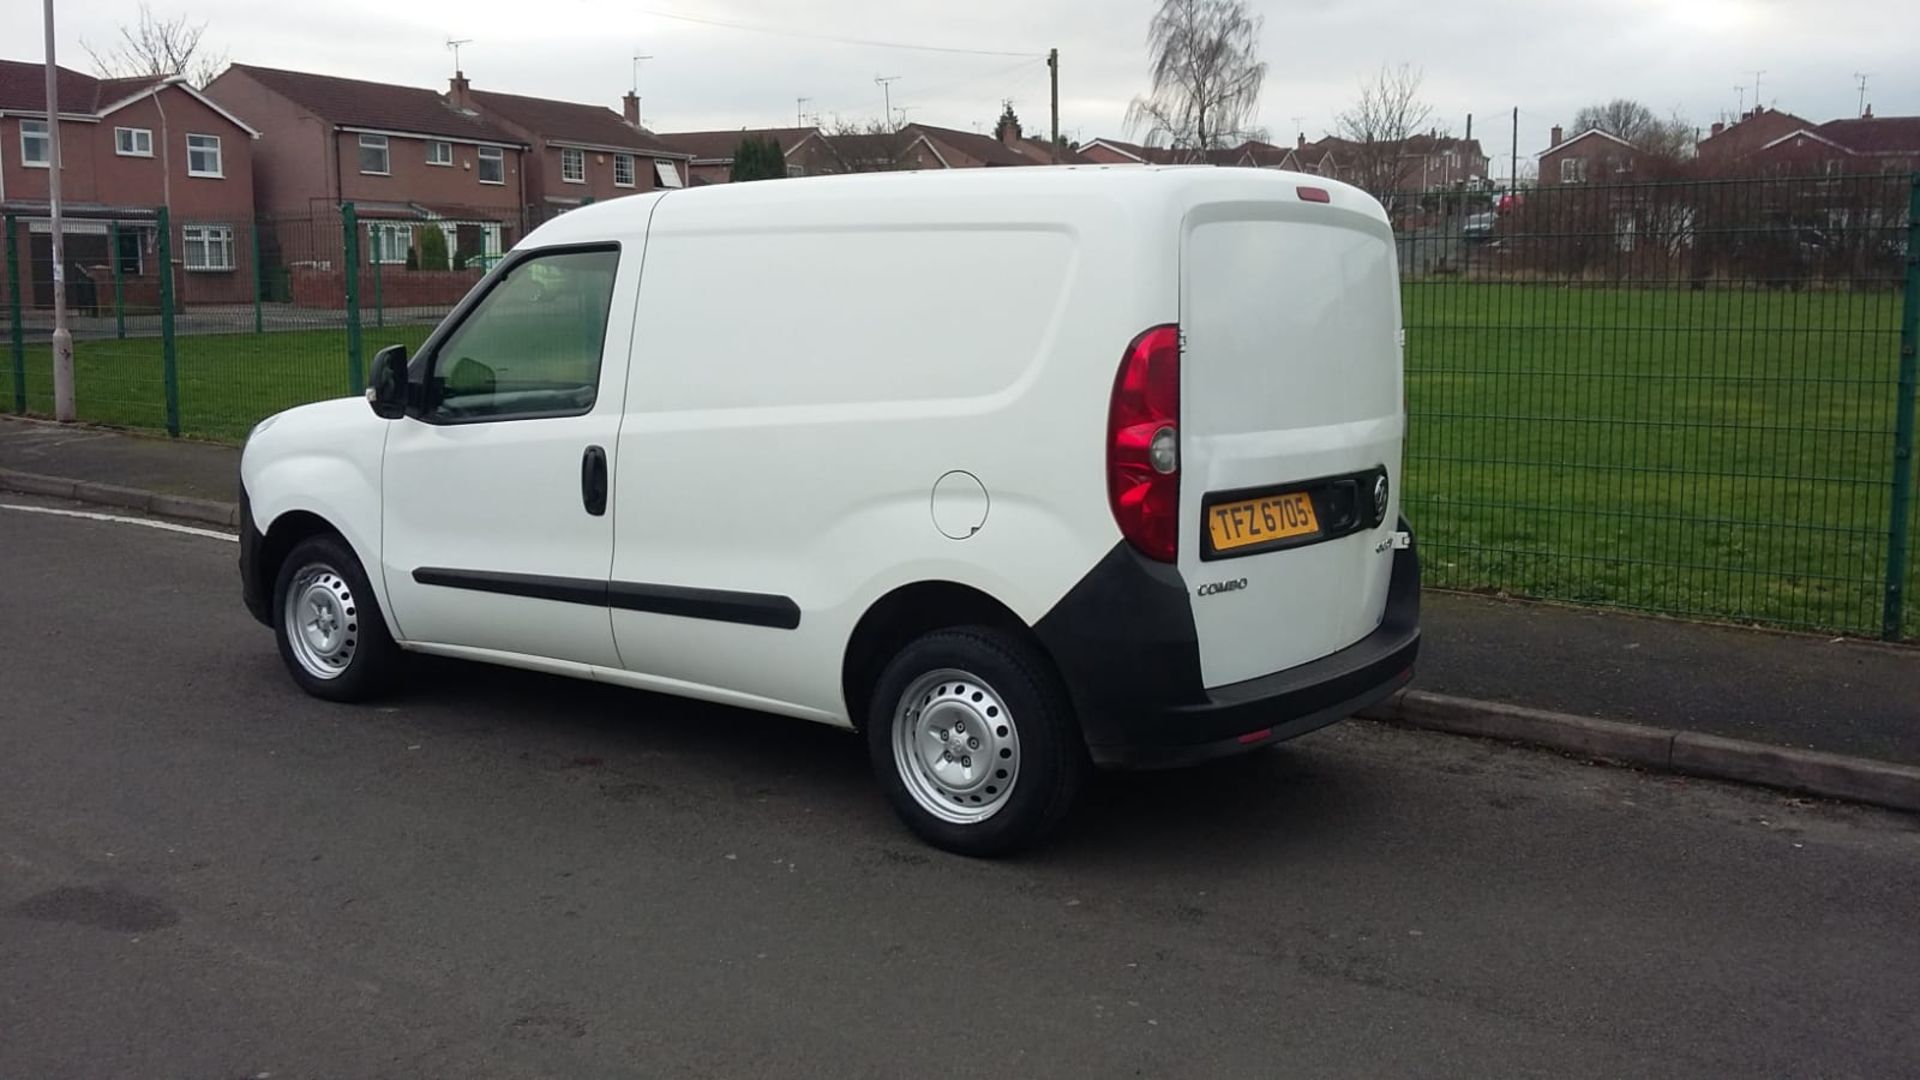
<point x="1634" y="123"/>
<point x="1378" y="126"/>
<point x="1206" y="76"/>
<point x="869" y="146"/>
<point x="158" y="46"/>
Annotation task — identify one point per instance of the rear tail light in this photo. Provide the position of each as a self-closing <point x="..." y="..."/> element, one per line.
<point x="1143" y="444"/>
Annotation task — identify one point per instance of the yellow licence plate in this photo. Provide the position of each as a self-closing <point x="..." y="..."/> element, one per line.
<point x="1257" y="521"/>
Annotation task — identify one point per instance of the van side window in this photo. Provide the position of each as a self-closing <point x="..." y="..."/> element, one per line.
<point x="531" y="347"/>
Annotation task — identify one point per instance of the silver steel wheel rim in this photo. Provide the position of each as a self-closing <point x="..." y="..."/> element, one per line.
<point x="955" y="746"/>
<point x="322" y="621"/>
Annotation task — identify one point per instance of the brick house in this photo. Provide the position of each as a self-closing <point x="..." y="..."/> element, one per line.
<point x="577" y="153"/>
<point x="404" y="156"/>
<point x="1591" y="157"/>
<point x="1726" y="143"/>
<point x="806" y="149"/>
<point x="127" y="146"/>
<point x="1868" y="144"/>
<point x="1007" y="146"/>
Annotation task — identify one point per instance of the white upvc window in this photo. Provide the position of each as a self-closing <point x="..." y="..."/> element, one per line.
<point x="36" y="146"/>
<point x="439" y="152"/>
<point x="388" y="242"/>
<point x="493" y="165"/>
<point x="203" y="156"/>
<point x="573" y="165"/>
<point x="796" y="170"/>
<point x="374" y="157"/>
<point x="1573" y="170"/>
<point x="207" y="247"/>
<point x="133" y="142"/>
<point x="623" y="170"/>
<point x="667" y="174"/>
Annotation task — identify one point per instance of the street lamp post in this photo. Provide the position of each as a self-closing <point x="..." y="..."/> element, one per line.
<point x="62" y="337"/>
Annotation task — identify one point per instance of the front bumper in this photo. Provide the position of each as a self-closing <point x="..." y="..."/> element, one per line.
<point x="1134" y="669"/>
<point x="254" y="591"/>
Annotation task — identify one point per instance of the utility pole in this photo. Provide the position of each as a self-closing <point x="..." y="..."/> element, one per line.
<point x="62" y="337"/>
<point x="800" y="111"/>
<point x="1053" y="77"/>
<point x="1513" y="163"/>
<point x="1861" y="77"/>
<point x="885" y="82"/>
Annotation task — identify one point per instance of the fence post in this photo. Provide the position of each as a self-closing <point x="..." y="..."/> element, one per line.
<point x="258" y="278"/>
<point x="350" y="235"/>
<point x="169" y="359"/>
<point x="1901" y="517"/>
<point x="119" y="290"/>
<point x="379" y="241"/>
<point x="14" y="315"/>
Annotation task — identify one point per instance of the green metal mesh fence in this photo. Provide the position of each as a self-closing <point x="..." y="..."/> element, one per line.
<point x="1677" y="397"/>
<point x="259" y="312"/>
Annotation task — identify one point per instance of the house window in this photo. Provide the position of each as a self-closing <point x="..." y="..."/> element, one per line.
<point x="1573" y="170"/>
<point x="203" y="156"/>
<point x="373" y="155"/>
<point x="493" y="165"/>
<point x="133" y="142"/>
<point x="623" y="170"/>
<point x="439" y="153"/>
<point x="388" y="243"/>
<point x="573" y="165"/>
<point x="667" y="174"/>
<point x="36" y="148"/>
<point x="796" y="170"/>
<point x="207" y="247"/>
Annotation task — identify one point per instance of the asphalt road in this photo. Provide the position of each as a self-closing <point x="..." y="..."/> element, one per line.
<point x="204" y="874"/>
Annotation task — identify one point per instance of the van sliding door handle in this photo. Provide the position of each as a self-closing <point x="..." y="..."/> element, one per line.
<point x="593" y="480"/>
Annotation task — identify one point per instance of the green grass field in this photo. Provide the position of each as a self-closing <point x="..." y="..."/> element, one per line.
<point x="1722" y="454"/>
<point x="228" y="382"/>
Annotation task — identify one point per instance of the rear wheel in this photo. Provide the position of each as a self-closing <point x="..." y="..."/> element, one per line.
<point x="328" y="624"/>
<point x="974" y="740"/>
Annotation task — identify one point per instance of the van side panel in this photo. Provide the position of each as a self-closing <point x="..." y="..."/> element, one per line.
<point x="799" y="383"/>
<point x="1290" y="372"/>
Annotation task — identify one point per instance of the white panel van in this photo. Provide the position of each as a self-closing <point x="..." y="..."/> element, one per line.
<point x="1016" y="472"/>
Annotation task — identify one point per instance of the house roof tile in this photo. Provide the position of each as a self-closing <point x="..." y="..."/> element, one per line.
<point x="567" y="121"/>
<point x="719" y="145"/>
<point x="1875" y="135"/>
<point x="358" y="103"/>
<point x="23" y="86"/>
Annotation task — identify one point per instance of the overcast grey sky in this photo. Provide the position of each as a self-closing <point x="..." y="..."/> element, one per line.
<point x="1482" y="57"/>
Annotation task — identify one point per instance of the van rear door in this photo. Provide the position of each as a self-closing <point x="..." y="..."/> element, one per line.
<point x="1292" y="415"/>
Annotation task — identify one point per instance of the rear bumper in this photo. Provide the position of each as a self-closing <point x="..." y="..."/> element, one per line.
<point x="1134" y="669"/>
<point x="253" y="590"/>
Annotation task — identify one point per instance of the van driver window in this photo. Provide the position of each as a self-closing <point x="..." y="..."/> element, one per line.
<point x="532" y="346"/>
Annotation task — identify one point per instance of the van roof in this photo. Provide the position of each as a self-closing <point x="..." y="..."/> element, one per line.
<point x="1142" y="185"/>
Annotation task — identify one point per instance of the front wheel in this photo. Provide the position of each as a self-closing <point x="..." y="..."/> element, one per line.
<point x="328" y="624"/>
<point x="974" y="740"/>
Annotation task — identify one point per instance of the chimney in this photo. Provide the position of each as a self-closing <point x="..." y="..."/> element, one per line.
<point x="630" y="108"/>
<point x="1300" y="141"/>
<point x="1868" y="114"/>
<point x="1557" y="136"/>
<point x="1008" y="130"/>
<point x="457" y="92"/>
<point x="1718" y="127"/>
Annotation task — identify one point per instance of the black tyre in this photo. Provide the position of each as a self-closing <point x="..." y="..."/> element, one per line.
<point x="328" y="624"/>
<point x="974" y="740"/>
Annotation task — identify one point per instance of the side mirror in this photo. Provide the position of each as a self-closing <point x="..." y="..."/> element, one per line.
<point x="387" y="389"/>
